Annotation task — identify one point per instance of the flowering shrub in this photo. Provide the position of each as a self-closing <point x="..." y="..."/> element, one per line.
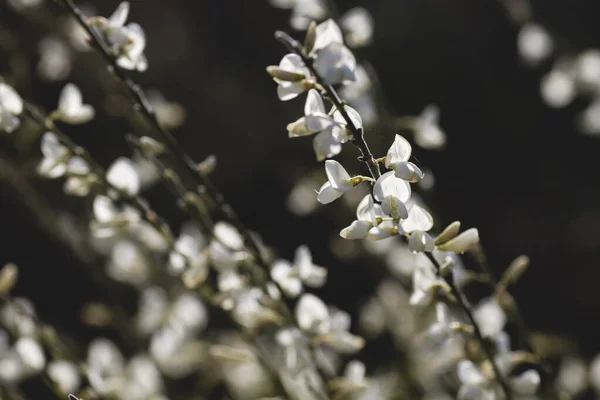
<point x="219" y="314"/>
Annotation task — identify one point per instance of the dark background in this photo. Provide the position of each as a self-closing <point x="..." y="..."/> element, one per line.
<point x="514" y="168"/>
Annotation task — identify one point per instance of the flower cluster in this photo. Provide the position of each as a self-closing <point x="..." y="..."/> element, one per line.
<point x="126" y="42"/>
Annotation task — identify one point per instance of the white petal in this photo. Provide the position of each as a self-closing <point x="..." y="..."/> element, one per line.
<point x="420" y="241"/>
<point x="442" y="313"/>
<point x="229" y="235"/>
<point x="357" y="230"/>
<point x="77" y="186"/>
<point x="558" y="88"/>
<point x="490" y="318"/>
<point x="336" y="64"/>
<point x="358" y="24"/>
<point x="338" y="176"/>
<point x="51" y="168"/>
<point x="355" y="371"/>
<point x="299" y="128"/>
<point x="389" y="185"/>
<point x="290" y="90"/>
<point x="78" y="166"/>
<point x="318" y="121"/>
<point x="407" y="171"/>
<point x="527" y="383"/>
<point x="326" y="146"/>
<point x="8" y="122"/>
<point x="352" y="113"/>
<point x="64" y="375"/>
<point x="328" y="194"/>
<point x="470" y="373"/>
<point x="328" y="32"/>
<point x="398" y="152"/>
<point x="52" y="147"/>
<point x="462" y="242"/>
<point x="292" y="63"/>
<point x="119" y="16"/>
<point x="394" y="207"/>
<point x="311" y="312"/>
<point x="418" y="220"/>
<point x="70" y="99"/>
<point x="31" y="353"/>
<point x="364" y="210"/>
<point x="376" y="233"/>
<point x="282" y="273"/>
<point x="311" y="274"/>
<point x="430" y="115"/>
<point x="534" y="43"/>
<point x="314" y="103"/>
<point x="123" y="175"/>
<point x="10" y="99"/>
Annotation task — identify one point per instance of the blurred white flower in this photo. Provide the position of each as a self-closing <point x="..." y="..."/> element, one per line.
<point x="558" y="88"/>
<point x="128" y="264"/>
<point x="152" y="309"/>
<point x="489" y="317"/>
<point x="11" y="105"/>
<point x="475" y="385"/>
<point x="358" y="26"/>
<point x="462" y="242"/>
<point x="534" y="43"/>
<point x="24" y="4"/>
<point x="427" y="133"/>
<point x="170" y="114"/>
<point x="305" y="11"/>
<point x="367" y="214"/>
<point x="55" y="59"/>
<point x="65" y="375"/>
<point x="31" y="354"/>
<point x="328" y="327"/>
<point x="56" y="156"/>
<point x="105" y="367"/>
<point x="189" y="253"/>
<point x="291" y="277"/>
<point x="127" y="42"/>
<point x="123" y="175"/>
<point x="79" y="177"/>
<point x="427" y="285"/>
<point x="71" y="109"/>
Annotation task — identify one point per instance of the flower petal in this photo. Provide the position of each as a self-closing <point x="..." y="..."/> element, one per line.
<point x="398" y="152"/>
<point x="337" y="175"/>
<point x="328" y="194"/>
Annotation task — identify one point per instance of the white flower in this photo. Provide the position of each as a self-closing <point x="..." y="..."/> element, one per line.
<point x="427" y="132"/>
<point x="288" y="90"/>
<point x="534" y="43"/>
<point x="56" y="156"/>
<point x="420" y="241"/>
<point x="489" y="317"/>
<point x="367" y="213"/>
<point x="189" y="253"/>
<point x="397" y="159"/>
<point x="336" y="64"/>
<point x="55" y="59"/>
<point x="329" y="327"/>
<point x="393" y="193"/>
<point x="105" y="367"/>
<point x="71" y="108"/>
<point x="358" y="25"/>
<point x="327" y="33"/>
<point x="306" y="11"/>
<point x="31" y="354"/>
<point x="127" y="42"/>
<point x="426" y="285"/>
<point x="249" y="310"/>
<point x="80" y="179"/>
<point x="291" y="278"/>
<point x="339" y="182"/>
<point x="475" y="385"/>
<point x="311" y="313"/>
<point x="418" y="219"/>
<point x="123" y="175"/>
<point x="128" y="264"/>
<point x="110" y="218"/>
<point x="64" y="375"/>
<point x="11" y="105"/>
<point x="558" y="88"/>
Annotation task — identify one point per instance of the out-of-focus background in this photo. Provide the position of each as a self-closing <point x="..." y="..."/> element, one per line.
<point x="514" y="168"/>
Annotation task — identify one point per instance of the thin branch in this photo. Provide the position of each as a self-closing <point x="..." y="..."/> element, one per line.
<point x="142" y="104"/>
<point x="469" y="313"/>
